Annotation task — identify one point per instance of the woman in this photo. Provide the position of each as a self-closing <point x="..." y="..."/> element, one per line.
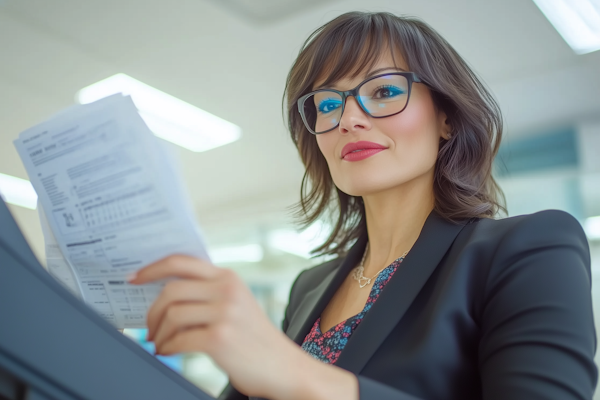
<point x="430" y="298"/>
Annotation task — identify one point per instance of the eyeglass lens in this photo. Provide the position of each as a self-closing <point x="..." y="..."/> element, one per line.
<point x="380" y="97"/>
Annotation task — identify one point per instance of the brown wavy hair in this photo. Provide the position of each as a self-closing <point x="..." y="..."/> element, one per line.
<point x="464" y="187"/>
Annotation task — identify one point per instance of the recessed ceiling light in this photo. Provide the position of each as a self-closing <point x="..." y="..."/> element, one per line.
<point x="245" y="253"/>
<point x="167" y="117"/>
<point x="18" y="191"/>
<point x="300" y="243"/>
<point x="592" y="227"/>
<point x="577" y="21"/>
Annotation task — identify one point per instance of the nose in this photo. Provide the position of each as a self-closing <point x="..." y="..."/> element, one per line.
<point x="354" y="119"/>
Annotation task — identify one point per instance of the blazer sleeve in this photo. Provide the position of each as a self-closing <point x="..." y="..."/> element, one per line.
<point x="538" y="337"/>
<point x="537" y="329"/>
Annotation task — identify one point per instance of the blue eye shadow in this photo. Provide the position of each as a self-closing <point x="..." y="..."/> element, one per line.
<point x="328" y="105"/>
<point x="395" y="91"/>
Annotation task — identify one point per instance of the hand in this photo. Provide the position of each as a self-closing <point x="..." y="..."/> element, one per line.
<point x="210" y="309"/>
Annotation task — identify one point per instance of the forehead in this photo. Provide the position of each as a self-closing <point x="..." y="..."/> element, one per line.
<point x="385" y="60"/>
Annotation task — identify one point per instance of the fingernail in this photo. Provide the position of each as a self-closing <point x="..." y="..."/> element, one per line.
<point x="131" y="277"/>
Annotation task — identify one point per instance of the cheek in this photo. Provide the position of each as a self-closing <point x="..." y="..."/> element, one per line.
<point x="327" y="145"/>
<point x="415" y="132"/>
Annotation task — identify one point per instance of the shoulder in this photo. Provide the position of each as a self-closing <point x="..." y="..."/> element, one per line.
<point x="544" y="228"/>
<point x="536" y="245"/>
<point x="539" y="244"/>
<point x="307" y="279"/>
<point x="305" y="282"/>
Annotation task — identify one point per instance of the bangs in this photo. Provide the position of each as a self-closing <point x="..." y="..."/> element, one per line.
<point x="348" y="50"/>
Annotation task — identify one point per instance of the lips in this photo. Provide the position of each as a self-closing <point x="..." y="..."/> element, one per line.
<point x="360" y="150"/>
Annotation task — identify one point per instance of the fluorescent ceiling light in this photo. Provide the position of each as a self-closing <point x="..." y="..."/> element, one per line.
<point x="577" y="21"/>
<point x="592" y="228"/>
<point x="18" y="191"/>
<point x="300" y="243"/>
<point x="168" y="117"/>
<point x="233" y="254"/>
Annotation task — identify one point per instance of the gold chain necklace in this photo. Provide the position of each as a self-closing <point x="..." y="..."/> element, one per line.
<point x="358" y="271"/>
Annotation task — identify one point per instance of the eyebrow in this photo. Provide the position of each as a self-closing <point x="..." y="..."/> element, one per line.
<point x="376" y="71"/>
<point x="369" y="75"/>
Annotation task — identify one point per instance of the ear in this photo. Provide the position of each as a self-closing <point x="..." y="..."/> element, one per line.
<point x="445" y="126"/>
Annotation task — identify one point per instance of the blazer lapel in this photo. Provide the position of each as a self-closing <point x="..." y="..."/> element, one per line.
<point x="315" y="301"/>
<point x="434" y="241"/>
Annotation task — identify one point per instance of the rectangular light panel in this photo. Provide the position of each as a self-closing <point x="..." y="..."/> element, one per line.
<point x="167" y="117"/>
<point x="577" y="21"/>
<point x="18" y="191"/>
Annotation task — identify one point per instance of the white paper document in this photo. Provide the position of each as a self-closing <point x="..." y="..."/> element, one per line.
<point x="113" y="204"/>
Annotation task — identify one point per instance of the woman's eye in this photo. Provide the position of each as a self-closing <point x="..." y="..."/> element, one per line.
<point x="386" y="92"/>
<point x="327" y="106"/>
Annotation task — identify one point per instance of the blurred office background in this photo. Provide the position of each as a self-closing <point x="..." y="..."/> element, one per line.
<point x="231" y="57"/>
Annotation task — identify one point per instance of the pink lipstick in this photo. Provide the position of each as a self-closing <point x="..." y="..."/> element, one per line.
<point x="360" y="150"/>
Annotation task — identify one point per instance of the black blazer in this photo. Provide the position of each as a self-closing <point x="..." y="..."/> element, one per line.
<point x="487" y="309"/>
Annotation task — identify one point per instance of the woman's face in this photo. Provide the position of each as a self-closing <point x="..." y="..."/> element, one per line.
<point x="410" y="140"/>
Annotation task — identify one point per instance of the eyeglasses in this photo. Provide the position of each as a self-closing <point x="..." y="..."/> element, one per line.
<point x="379" y="96"/>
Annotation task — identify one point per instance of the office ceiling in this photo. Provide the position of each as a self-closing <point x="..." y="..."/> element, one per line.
<point x="231" y="59"/>
<point x="268" y="11"/>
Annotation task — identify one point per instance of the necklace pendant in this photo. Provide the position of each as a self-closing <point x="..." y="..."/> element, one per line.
<point x="365" y="280"/>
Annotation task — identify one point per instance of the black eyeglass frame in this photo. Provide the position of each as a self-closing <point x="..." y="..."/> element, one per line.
<point x="410" y="77"/>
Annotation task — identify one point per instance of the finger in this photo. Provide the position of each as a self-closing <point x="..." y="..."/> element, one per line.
<point x="178" y="292"/>
<point x="191" y="340"/>
<point x="176" y="266"/>
<point x="181" y="317"/>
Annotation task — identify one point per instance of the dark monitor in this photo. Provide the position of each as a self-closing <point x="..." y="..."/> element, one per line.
<point x="52" y="346"/>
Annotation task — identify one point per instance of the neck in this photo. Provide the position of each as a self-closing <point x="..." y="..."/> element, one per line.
<point x="395" y="219"/>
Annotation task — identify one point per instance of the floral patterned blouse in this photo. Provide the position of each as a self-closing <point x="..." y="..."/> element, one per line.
<point x="328" y="346"/>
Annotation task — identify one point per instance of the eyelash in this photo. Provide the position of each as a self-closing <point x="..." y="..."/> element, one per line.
<point x="391" y="88"/>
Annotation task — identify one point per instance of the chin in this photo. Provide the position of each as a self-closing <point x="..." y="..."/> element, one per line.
<point x="366" y="184"/>
<point x="366" y="187"/>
